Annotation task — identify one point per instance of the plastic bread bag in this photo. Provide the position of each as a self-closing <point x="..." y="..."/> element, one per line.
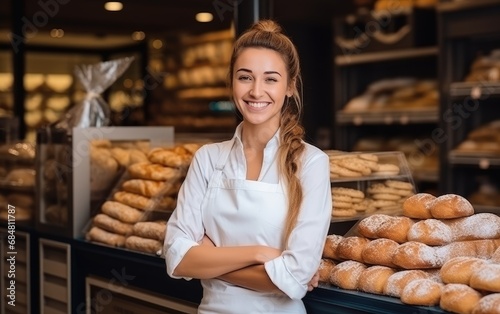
<point x="93" y="111"/>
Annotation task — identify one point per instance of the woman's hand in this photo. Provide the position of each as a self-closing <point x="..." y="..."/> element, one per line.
<point x="313" y="283"/>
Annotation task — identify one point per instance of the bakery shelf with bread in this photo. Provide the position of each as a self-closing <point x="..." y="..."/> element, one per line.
<point x="135" y="214"/>
<point x="368" y="183"/>
<point x="439" y="253"/>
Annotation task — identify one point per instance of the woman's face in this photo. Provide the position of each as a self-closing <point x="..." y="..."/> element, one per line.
<point x="260" y="85"/>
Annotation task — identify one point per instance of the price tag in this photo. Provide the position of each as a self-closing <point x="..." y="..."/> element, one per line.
<point x="484" y="163"/>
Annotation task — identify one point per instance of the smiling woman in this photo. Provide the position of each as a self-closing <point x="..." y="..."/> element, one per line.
<point x="253" y="211"/>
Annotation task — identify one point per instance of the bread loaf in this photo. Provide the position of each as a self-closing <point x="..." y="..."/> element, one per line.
<point x="459" y="269"/>
<point x="385" y="226"/>
<point x="418" y="206"/>
<point x="149" y="171"/>
<point x="489" y="304"/>
<point x="147" y="188"/>
<point x="398" y="281"/>
<point x="346" y="274"/>
<point x="351" y="248"/>
<point x="330" y="248"/>
<point x="425" y="292"/>
<point x="449" y="206"/>
<point x="496" y="256"/>
<point x="143" y="245"/>
<point x="379" y="252"/>
<point x="325" y="269"/>
<point x="168" y="157"/>
<point x="486" y="277"/>
<point x="374" y="279"/>
<point x="150" y="229"/>
<point x="102" y="236"/>
<point x="121" y="212"/>
<point x="459" y="298"/>
<point x="431" y="232"/>
<point x="110" y="224"/>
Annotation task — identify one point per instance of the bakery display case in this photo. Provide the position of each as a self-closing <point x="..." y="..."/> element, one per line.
<point x="388" y="89"/>
<point x="77" y="172"/>
<point x="471" y="92"/>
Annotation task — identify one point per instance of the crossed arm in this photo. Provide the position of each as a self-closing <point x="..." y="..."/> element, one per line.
<point x="242" y="266"/>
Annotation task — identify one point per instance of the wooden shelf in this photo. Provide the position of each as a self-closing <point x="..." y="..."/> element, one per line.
<point x="401" y="117"/>
<point x="349" y="60"/>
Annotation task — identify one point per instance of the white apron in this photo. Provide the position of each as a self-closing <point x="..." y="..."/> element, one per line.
<point x="243" y="212"/>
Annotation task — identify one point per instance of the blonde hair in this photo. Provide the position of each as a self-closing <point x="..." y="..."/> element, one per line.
<point x="268" y="34"/>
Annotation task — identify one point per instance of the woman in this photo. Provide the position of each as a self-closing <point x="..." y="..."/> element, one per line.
<point x="253" y="212"/>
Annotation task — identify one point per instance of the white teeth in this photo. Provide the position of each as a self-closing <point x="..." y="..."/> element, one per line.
<point x="258" y="104"/>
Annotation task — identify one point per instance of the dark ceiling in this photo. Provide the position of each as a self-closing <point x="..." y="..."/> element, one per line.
<point x="158" y="16"/>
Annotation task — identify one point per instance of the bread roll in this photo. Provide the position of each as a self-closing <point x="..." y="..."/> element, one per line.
<point x="149" y="171"/>
<point x="396" y="228"/>
<point x="110" y="224"/>
<point x="147" y="188"/>
<point x="418" y="206"/>
<point x="143" y="244"/>
<point x="134" y="200"/>
<point x="489" y="304"/>
<point x="486" y="277"/>
<point x="346" y="274"/>
<point x="379" y="252"/>
<point x="449" y="206"/>
<point x="325" y="269"/>
<point x="416" y="255"/>
<point x="398" y="281"/>
<point x="459" y="298"/>
<point x="475" y="227"/>
<point x="351" y="248"/>
<point x="374" y="278"/>
<point x="99" y="235"/>
<point x="330" y="248"/>
<point x="425" y="292"/>
<point x="121" y="212"/>
<point x="459" y="269"/>
<point x="150" y="229"/>
<point x="496" y="256"/>
<point x="168" y="157"/>
<point x="369" y="226"/>
<point x="431" y="232"/>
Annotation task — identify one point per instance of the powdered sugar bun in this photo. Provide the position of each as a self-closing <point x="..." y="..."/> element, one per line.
<point x="369" y="226"/>
<point x="396" y="229"/>
<point x="459" y="269"/>
<point x="416" y="255"/>
<point x="398" y="281"/>
<point x="431" y="232"/>
<point x="496" y="256"/>
<point x="489" y="304"/>
<point x="330" y="248"/>
<point x="379" y="252"/>
<point x="346" y="274"/>
<point x="418" y="206"/>
<point x="373" y="279"/>
<point x="486" y="277"/>
<point x="475" y="227"/>
<point x="422" y="292"/>
<point x="459" y="298"/>
<point x="450" y="206"/>
<point x="351" y="248"/>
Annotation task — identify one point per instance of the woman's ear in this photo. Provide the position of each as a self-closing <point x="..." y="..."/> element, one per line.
<point x="291" y="88"/>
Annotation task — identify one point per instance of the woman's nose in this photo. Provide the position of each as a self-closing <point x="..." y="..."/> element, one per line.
<point x="256" y="90"/>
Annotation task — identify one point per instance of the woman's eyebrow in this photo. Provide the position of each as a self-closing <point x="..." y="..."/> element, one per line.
<point x="250" y="71"/>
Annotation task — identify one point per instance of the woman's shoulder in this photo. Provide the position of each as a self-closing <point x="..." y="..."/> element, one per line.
<point x="313" y="153"/>
<point x="211" y="151"/>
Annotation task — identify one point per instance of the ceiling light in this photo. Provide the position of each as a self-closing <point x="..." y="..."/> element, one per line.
<point x="204" y="17"/>
<point x="113" y="6"/>
<point x="138" y="36"/>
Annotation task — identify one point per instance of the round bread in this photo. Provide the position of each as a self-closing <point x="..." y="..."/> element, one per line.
<point x="459" y="269"/>
<point x="430" y="232"/>
<point x="425" y="292"/>
<point x="346" y="274"/>
<point x="398" y="281"/>
<point x="373" y="279"/>
<point x="459" y="298"/>
<point x="401" y="185"/>
<point x="418" y="206"/>
<point x="369" y="226"/>
<point x="343" y="172"/>
<point x="330" y="248"/>
<point x="416" y="255"/>
<point x="396" y="229"/>
<point x="344" y="212"/>
<point x="347" y="191"/>
<point x="486" y="277"/>
<point x="475" y="227"/>
<point x="489" y="304"/>
<point x="325" y="269"/>
<point x="449" y="206"/>
<point x="386" y="170"/>
<point x="379" y="252"/>
<point x="351" y="248"/>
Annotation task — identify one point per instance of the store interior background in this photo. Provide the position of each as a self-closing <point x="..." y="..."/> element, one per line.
<point x="92" y="34"/>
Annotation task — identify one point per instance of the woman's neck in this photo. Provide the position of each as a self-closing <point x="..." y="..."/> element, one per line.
<point x="256" y="137"/>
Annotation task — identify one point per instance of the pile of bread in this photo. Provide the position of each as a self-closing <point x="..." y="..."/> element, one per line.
<point x="438" y="253"/>
<point x="403" y="93"/>
<point x="354" y="165"/>
<point x="135" y="215"/>
<point x="485" y="68"/>
<point x="483" y="139"/>
<point x="385" y="196"/>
